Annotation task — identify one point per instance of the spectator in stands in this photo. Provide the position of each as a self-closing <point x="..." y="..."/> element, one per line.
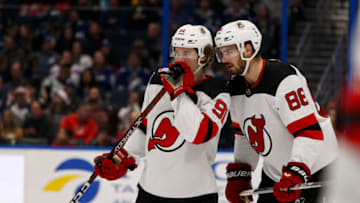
<point x="94" y="98"/>
<point x="16" y="76"/>
<point x="78" y="25"/>
<point x="141" y="16"/>
<point x="101" y="118"/>
<point x="20" y="107"/>
<point x="3" y="96"/>
<point x="104" y="74"/>
<point x="142" y="52"/>
<point x="51" y="84"/>
<point x="82" y="128"/>
<point x="63" y="139"/>
<point x="87" y="81"/>
<point x="132" y="106"/>
<point x="70" y="89"/>
<point x="47" y="56"/>
<point x="206" y="16"/>
<point x="66" y="40"/>
<point x="103" y="139"/>
<point x="297" y="14"/>
<point x="59" y="107"/>
<point x="26" y="39"/>
<point x="33" y="74"/>
<point x="8" y="56"/>
<point x="238" y="9"/>
<point x="130" y="120"/>
<point x="81" y="61"/>
<point x="132" y="76"/>
<point x="64" y="59"/>
<point x="95" y="38"/>
<point x="178" y="14"/>
<point x="37" y="125"/>
<point x="274" y="8"/>
<point x="269" y="28"/>
<point x="153" y="43"/>
<point x="10" y="130"/>
<point x="32" y="93"/>
<point x="110" y="57"/>
<point x="114" y="18"/>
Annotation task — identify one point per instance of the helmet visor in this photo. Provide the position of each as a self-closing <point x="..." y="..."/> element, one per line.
<point x="226" y="52"/>
<point x="180" y="53"/>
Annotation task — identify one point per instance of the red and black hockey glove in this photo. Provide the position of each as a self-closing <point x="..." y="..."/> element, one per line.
<point x="178" y="79"/>
<point x="238" y="179"/>
<point x="112" y="169"/>
<point x="294" y="173"/>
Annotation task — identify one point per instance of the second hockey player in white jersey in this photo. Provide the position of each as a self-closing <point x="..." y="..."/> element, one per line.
<point x="274" y="116"/>
<point x="179" y="137"/>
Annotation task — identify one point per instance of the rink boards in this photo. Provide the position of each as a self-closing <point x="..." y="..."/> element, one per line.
<point x="44" y="174"/>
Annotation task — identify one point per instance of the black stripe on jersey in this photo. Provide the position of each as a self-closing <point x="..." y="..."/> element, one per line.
<point x="142" y="127"/>
<point x="274" y="72"/>
<point x="211" y="87"/>
<point x="227" y="133"/>
<point x="237" y="129"/>
<point x="313" y="127"/>
<point x="155" y="79"/>
<point x="209" y="131"/>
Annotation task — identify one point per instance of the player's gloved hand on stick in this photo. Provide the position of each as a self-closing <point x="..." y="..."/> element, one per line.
<point x="116" y="167"/>
<point x="294" y="173"/>
<point x="238" y="179"/>
<point x="178" y="79"/>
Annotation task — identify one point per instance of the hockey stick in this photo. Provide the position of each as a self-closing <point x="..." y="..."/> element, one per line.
<point x="268" y="190"/>
<point x="121" y="143"/>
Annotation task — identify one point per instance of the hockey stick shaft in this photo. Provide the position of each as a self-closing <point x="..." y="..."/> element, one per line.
<point x="120" y="143"/>
<point x="267" y="190"/>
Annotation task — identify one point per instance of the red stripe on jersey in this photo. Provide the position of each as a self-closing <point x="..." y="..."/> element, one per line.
<point x="302" y="123"/>
<point x="314" y="134"/>
<point x="144" y="121"/>
<point x="207" y="130"/>
<point x="236" y="125"/>
<point x="260" y="76"/>
<point x="298" y="128"/>
<point x="237" y="128"/>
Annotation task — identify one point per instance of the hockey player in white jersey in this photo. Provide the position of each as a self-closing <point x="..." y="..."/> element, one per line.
<point x="179" y="137"/>
<point x="274" y="116"/>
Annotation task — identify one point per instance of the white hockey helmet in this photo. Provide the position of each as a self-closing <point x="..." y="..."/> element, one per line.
<point x="238" y="33"/>
<point x="192" y="36"/>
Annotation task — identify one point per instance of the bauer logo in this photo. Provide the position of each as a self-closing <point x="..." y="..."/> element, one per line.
<point x="82" y="168"/>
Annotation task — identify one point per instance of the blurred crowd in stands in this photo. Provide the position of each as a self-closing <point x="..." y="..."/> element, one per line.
<point x="74" y="72"/>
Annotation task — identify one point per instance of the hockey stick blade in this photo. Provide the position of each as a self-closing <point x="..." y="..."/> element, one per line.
<point x="120" y="143"/>
<point x="267" y="190"/>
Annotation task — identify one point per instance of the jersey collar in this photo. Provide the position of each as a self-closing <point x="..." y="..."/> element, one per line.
<point x="201" y="81"/>
<point x="260" y="76"/>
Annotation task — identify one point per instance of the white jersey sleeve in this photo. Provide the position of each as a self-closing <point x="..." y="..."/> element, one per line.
<point x="136" y="143"/>
<point x="203" y="120"/>
<point x="298" y="112"/>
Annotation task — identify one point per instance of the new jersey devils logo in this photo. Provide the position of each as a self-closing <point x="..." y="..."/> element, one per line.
<point x="164" y="135"/>
<point x="257" y="135"/>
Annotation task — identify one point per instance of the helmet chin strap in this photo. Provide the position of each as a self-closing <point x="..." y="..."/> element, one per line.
<point x="246" y="69"/>
<point x="201" y="65"/>
<point x="247" y="63"/>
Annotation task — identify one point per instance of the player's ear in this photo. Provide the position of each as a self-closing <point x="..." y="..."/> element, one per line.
<point x="209" y="55"/>
<point x="248" y="50"/>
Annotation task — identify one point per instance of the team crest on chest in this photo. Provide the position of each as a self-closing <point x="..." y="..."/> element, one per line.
<point x="258" y="136"/>
<point x="164" y="135"/>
